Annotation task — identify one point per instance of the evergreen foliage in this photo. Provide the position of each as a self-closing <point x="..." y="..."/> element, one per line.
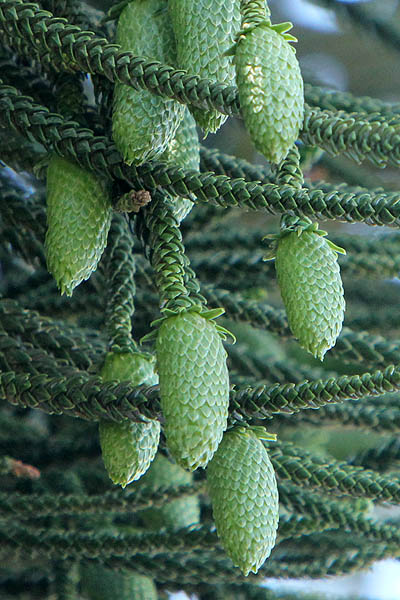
<point x="337" y="452"/>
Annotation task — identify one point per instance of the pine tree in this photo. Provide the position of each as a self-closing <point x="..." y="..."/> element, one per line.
<point x="64" y="526"/>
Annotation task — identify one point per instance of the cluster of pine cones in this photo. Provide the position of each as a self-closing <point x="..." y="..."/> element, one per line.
<point x="190" y="360"/>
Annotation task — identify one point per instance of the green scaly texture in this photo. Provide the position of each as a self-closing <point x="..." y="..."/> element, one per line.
<point x="100" y="583"/>
<point x="184" y="151"/>
<point x="143" y="123"/>
<point x="177" y="513"/>
<point x="270" y="88"/>
<point x="128" y="448"/>
<point x="311" y="287"/>
<point x="244" y="495"/>
<point x="78" y="220"/>
<point x="194" y="387"/>
<point x="204" y="31"/>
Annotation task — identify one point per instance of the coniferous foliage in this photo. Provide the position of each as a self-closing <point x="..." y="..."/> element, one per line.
<point x="132" y="256"/>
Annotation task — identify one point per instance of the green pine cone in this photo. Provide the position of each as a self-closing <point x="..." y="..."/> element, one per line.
<point x="311" y="287"/>
<point x="194" y="387"/>
<point x="135" y="367"/>
<point x="270" y="89"/>
<point x="100" y="583"/>
<point x="244" y="496"/>
<point x="143" y="123"/>
<point x="178" y="513"/>
<point x="184" y="151"/>
<point x="128" y="448"/>
<point x="78" y="220"/>
<point x="204" y="31"/>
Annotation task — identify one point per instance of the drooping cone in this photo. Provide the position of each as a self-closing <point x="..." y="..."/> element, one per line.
<point x="78" y="220"/>
<point x="204" y="31"/>
<point x="311" y="287"/>
<point x="270" y="89"/>
<point x="129" y="447"/>
<point x="194" y="386"/>
<point x="243" y="490"/>
<point x="144" y="123"/>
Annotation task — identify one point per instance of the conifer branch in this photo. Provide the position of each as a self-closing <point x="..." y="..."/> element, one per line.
<point x="366" y="415"/>
<point x="103" y="545"/>
<point x="85" y="51"/>
<point x="65" y="342"/>
<point x="36" y="506"/>
<point x="120" y="270"/>
<point x="253" y="368"/>
<point x="343" y="561"/>
<point x="351" y="346"/>
<point x="51" y="364"/>
<point x="212" y="159"/>
<point x="80" y="395"/>
<point x="17" y="152"/>
<point x="168" y="258"/>
<point x="384" y="320"/>
<point x="337" y="100"/>
<point x="382" y="457"/>
<point x="92" y="54"/>
<point x="263" y="401"/>
<point x="23" y="222"/>
<point x="46" y="298"/>
<point x="249" y="244"/>
<point x="129" y="549"/>
<point x="18" y="212"/>
<point x="27" y="76"/>
<point x="338" y="513"/>
<point x="231" y="166"/>
<point x="289" y="172"/>
<point x="358" y="138"/>
<point x="97" y="154"/>
<point x="356" y="347"/>
<point x="235" y="267"/>
<point x="302" y="468"/>
<point x="89" y="398"/>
